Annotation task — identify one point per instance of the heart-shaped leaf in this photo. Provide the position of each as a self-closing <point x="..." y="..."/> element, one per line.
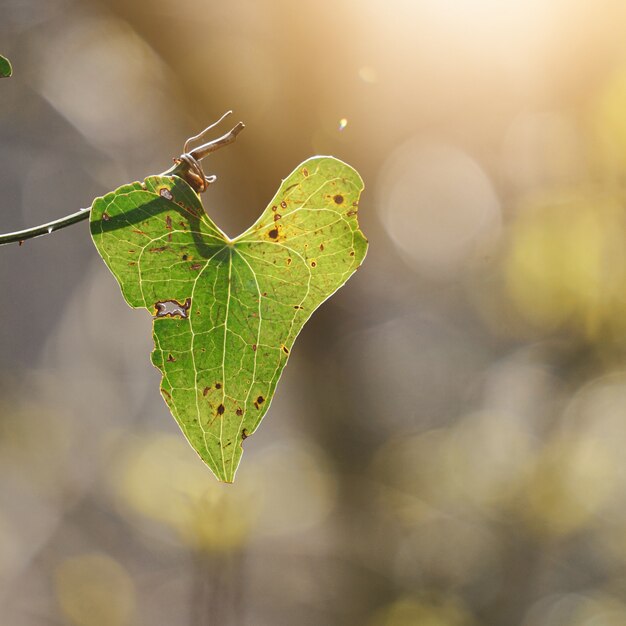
<point x="226" y="312"/>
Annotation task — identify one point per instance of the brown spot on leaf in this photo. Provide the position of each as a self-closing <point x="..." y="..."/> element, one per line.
<point x="352" y="253"/>
<point x="285" y="349"/>
<point x="239" y="412"/>
<point x="164" y="192"/>
<point x="322" y="247"/>
<point x="260" y="399"/>
<point x="220" y="409"/>
<point x="305" y="172"/>
<point x="277" y="216"/>
<point x="273" y="234"/>
<point x="184" y="257"/>
<point x="351" y="213"/>
<point x="105" y="216"/>
<point x="283" y="204"/>
<point x="338" y="198"/>
<point x="254" y="347"/>
<point x="313" y="264"/>
<point x="218" y="385"/>
<point x="297" y="306"/>
<point x="289" y="261"/>
<point x="244" y="434"/>
<point x="159" y="249"/>
<point x="205" y="391"/>
<point x="195" y="266"/>
<point x="274" y="208"/>
<point x="170" y="358"/>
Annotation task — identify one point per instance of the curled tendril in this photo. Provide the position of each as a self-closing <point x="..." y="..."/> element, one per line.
<point x="191" y="158"/>
<point x="195" y="172"/>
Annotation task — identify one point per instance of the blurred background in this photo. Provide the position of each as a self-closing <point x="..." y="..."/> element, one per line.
<point x="446" y="446"/>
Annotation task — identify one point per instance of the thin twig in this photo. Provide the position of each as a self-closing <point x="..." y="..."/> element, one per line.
<point x="181" y="168"/>
<point x="45" y="229"/>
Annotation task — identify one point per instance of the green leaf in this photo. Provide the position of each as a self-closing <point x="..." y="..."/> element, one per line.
<point x="227" y="312"/>
<point x="5" y="67"/>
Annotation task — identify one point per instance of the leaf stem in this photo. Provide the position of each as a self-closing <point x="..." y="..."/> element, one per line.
<point x="183" y="167"/>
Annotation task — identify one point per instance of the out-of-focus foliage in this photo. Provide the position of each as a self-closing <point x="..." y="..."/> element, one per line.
<point x="426" y="612"/>
<point x="447" y="446"/>
<point x="160" y="481"/>
<point x="566" y="264"/>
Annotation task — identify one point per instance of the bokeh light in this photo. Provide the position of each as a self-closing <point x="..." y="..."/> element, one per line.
<point x="438" y="206"/>
<point x="95" y="590"/>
